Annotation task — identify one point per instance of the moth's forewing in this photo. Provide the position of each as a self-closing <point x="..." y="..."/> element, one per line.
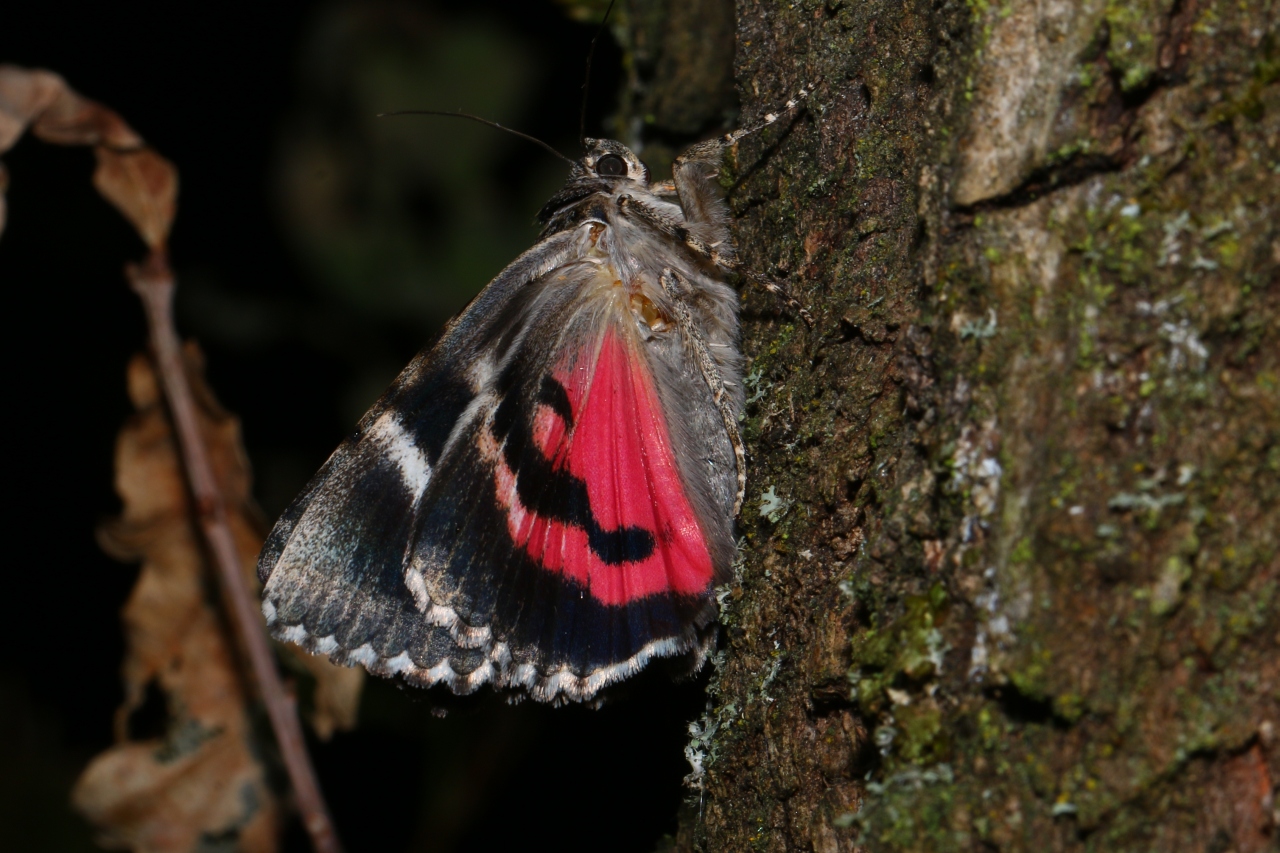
<point x="544" y="499"/>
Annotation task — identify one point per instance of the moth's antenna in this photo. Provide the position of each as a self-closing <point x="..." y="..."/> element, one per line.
<point x="532" y="139"/>
<point x="586" y="78"/>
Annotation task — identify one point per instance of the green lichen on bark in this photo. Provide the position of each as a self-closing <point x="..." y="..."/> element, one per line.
<point x="1011" y="564"/>
<point x="828" y="202"/>
<point x="1129" y="463"/>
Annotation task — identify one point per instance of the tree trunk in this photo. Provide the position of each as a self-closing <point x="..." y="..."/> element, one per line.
<point x="1012" y="531"/>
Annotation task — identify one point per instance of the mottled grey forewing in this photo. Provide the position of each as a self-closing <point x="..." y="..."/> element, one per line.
<point x="333" y="566"/>
<point x="399" y="555"/>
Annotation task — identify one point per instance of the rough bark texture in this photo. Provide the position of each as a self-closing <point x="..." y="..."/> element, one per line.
<point x="1013" y="528"/>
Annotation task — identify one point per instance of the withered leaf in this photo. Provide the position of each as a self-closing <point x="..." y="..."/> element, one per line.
<point x="140" y="183"/>
<point x="143" y="186"/>
<point x="337" y="692"/>
<point x="24" y="94"/>
<point x="200" y="779"/>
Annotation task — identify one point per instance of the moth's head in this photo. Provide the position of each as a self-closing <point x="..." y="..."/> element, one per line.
<point x="607" y="166"/>
<point x="608" y="158"/>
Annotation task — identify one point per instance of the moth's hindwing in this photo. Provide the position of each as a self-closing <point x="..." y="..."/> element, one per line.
<point x="542" y="501"/>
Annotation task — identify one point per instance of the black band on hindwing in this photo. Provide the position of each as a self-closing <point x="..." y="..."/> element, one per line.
<point x="555" y="493"/>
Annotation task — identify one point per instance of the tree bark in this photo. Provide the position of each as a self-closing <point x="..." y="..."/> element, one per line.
<point x="1012" y="531"/>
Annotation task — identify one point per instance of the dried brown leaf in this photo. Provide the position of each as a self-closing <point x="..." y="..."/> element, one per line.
<point x="140" y="183"/>
<point x="200" y="779"/>
<point x="72" y="119"/>
<point x="24" y="94"/>
<point x="143" y="186"/>
<point x="337" y="693"/>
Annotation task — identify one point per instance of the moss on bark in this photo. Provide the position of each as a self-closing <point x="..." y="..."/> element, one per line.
<point x="1012" y="554"/>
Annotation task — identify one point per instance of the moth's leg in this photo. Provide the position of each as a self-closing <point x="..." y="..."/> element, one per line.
<point x="664" y="189"/>
<point x="711" y="253"/>
<point x="694" y="171"/>
<point x="769" y="118"/>
<point x="675" y="231"/>
<point x="680" y="293"/>
<point x="781" y="292"/>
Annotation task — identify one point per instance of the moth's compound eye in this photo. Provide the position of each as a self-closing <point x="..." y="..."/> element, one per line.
<point x="611" y="166"/>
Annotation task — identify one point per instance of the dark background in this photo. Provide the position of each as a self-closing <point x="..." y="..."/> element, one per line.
<point x="317" y="250"/>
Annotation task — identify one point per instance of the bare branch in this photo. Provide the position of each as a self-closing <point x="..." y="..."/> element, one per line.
<point x="153" y="282"/>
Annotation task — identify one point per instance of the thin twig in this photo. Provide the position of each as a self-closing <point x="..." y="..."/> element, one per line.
<point x="153" y="282"/>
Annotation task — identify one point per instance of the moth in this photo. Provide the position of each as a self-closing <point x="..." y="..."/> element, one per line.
<point x="544" y="500"/>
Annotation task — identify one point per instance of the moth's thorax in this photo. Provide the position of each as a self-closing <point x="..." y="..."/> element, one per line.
<point x="632" y="257"/>
<point x="638" y="229"/>
<point x="637" y="295"/>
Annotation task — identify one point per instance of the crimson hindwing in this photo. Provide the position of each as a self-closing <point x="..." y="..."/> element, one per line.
<point x="519" y="507"/>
